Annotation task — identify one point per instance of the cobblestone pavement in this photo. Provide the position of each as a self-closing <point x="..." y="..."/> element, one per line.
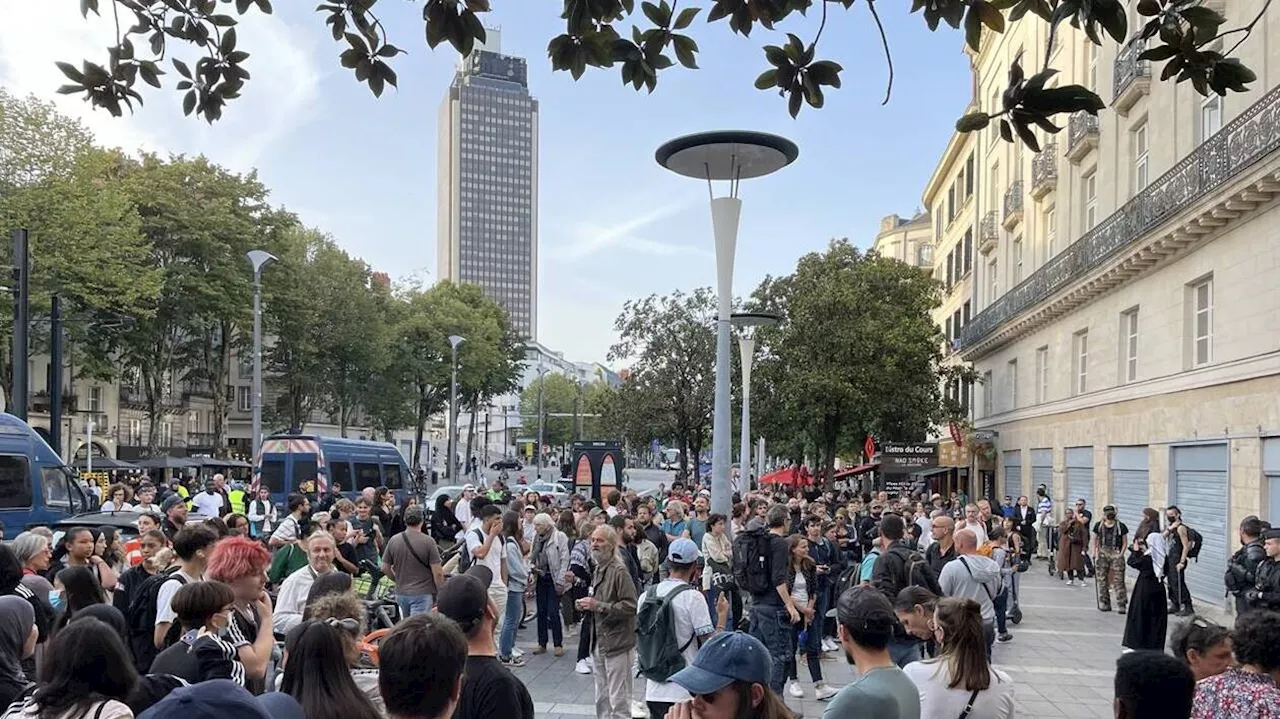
<point x="1062" y="659"/>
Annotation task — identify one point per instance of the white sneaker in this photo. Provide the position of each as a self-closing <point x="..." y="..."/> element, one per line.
<point x="639" y="710"/>
<point x="582" y="667"/>
<point x="516" y="652"/>
<point x="828" y="645"/>
<point x="823" y="692"/>
<point x="1071" y="582"/>
<point x="794" y="689"/>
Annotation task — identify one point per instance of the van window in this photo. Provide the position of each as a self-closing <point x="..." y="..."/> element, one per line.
<point x="367" y="475"/>
<point x="340" y="474"/>
<point x="272" y="475"/>
<point x="53" y="481"/>
<point x="392" y="474"/>
<point x="304" y="470"/>
<point x="15" y="482"/>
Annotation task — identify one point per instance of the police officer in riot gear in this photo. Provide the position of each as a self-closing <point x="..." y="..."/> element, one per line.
<point x="1241" y="573"/>
<point x="1266" y="591"/>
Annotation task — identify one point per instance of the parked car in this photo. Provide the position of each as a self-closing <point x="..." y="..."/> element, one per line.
<point x="125" y="523"/>
<point x="453" y="490"/>
<point x="507" y="463"/>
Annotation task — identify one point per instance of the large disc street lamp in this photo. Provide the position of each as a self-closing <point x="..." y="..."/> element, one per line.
<point x="454" y="341"/>
<point x="747" y="323"/>
<point x="725" y="156"/>
<point x="259" y="259"/>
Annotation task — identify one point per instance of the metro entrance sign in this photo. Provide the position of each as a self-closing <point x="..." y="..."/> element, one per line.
<point x="899" y="457"/>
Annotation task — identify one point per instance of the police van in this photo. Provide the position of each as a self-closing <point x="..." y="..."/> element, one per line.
<point x="310" y="464"/>
<point x="36" y="487"/>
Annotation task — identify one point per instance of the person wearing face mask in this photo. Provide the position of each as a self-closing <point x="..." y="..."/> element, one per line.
<point x="18" y="635"/>
<point x="1110" y="537"/>
<point x="204" y="609"/>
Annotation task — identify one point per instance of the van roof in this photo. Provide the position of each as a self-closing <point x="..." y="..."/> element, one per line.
<point x="341" y="445"/>
<point x="15" y="432"/>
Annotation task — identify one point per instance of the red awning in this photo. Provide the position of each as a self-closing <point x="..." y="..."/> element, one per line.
<point x="860" y="469"/>
<point x="785" y="476"/>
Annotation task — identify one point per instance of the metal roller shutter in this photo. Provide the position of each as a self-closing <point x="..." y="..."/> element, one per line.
<point x="1041" y="472"/>
<point x="1013" y="473"/>
<point x="1130" y="484"/>
<point x="1200" y="491"/>
<point x="1271" y="469"/>
<point x="1080" y="477"/>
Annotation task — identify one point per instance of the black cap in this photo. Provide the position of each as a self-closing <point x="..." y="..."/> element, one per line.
<point x="864" y="607"/>
<point x="1109" y="508"/>
<point x="464" y="597"/>
<point x="1271" y="534"/>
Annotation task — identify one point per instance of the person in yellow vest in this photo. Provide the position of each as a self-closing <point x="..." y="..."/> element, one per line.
<point x="236" y="495"/>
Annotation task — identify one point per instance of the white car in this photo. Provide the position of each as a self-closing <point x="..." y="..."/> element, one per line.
<point x="454" y="491"/>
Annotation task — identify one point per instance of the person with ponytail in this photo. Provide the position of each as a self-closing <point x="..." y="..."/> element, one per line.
<point x="960" y="681"/>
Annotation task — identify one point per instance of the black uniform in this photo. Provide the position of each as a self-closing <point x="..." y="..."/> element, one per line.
<point x="1266" y="591"/>
<point x="1241" y="574"/>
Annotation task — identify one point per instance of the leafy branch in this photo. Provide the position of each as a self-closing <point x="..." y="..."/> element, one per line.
<point x="1189" y="38"/>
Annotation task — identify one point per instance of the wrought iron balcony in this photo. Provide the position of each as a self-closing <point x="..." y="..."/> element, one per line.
<point x="1246" y="140"/>
<point x="988" y="232"/>
<point x="1082" y="135"/>
<point x="1044" y="171"/>
<point x="1132" y="76"/>
<point x="1013" y="205"/>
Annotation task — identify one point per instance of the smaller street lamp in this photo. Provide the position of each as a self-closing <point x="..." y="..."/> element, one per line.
<point x="542" y="373"/>
<point x="747" y="323"/>
<point x="259" y="259"/>
<point x="454" y="341"/>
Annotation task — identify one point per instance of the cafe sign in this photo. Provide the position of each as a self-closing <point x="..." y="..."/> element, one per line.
<point x="908" y="456"/>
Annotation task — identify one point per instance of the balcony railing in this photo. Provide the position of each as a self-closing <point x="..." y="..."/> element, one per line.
<point x="1237" y="146"/>
<point x="1082" y="135"/>
<point x="988" y="232"/>
<point x="1013" y="205"/>
<point x="197" y="389"/>
<point x="1132" y="76"/>
<point x="200" y="439"/>
<point x="1044" y="171"/>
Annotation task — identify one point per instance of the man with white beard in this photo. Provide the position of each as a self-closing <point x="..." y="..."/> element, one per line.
<point x="612" y="601"/>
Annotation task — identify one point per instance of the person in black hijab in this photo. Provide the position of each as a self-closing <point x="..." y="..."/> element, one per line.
<point x="17" y="641"/>
<point x="108" y="615"/>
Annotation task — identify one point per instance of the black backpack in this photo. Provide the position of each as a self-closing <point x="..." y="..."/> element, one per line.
<point x="916" y="571"/>
<point x="142" y="619"/>
<point x="752" y="553"/>
<point x="658" y="654"/>
<point x="465" y="558"/>
<point x="1196" y="541"/>
<point x="850" y="577"/>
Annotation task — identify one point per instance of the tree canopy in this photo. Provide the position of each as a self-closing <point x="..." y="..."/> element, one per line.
<point x="640" y="40"/>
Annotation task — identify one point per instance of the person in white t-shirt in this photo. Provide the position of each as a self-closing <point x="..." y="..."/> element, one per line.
<point x="691" y="616"/>
<point x="973" y="522"/>
<point x="462" y="508"/>
<point x="486" y="547"/>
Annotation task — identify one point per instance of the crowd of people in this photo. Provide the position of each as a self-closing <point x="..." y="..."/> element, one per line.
<point x="256" y="606"/>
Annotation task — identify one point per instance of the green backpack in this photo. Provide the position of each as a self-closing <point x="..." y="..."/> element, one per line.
<point x="656" y="647"/>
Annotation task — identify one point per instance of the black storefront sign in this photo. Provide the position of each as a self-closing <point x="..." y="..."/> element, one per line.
<point x="907" y="457"/>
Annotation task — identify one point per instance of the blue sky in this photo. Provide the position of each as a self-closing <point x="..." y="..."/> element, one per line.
<point x="613" y="225"/>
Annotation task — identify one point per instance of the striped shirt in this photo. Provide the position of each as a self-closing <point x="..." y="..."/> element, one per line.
<point x="217" y="658"/>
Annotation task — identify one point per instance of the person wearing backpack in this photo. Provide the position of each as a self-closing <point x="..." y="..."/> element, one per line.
<point x="760" y="568"/>
<point x="1182" y="546"/>
<point x="897" y="568"/>
<point x="672" y="623"/>
<point x="152" y="621"/>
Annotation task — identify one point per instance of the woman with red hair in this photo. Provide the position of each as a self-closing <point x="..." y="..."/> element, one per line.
<point x="241" y="563"/>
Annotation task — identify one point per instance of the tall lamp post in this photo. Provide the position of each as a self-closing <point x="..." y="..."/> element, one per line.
<point x="454" y="341"/>
<point x="542" y="373"/>
<point x="259" y="259"/>
<point x="747" y="323"/>
<point x="726" y="156"/>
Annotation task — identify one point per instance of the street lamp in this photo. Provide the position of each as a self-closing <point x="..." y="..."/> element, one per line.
<point x="748" y="322"/>
<point x="454" y="341"/>
<point x="259" y="259"/>
<point x="730" y="156"/>
<point x="542" y="373"/>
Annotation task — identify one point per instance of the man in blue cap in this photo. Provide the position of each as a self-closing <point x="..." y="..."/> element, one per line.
<point x="730" y="677"/>
<point x="222" y="699"/>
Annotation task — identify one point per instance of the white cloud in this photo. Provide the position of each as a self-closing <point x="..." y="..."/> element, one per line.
<point x="277" y="99"/>
<point x="590" y="239"/>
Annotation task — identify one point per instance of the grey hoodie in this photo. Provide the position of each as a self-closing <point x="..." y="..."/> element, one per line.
<point x="975" y="577"/>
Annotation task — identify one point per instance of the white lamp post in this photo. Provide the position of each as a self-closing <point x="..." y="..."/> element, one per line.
<point x="259" y="259"/>
<point x="747" y="322"/>
<point x="730" y="156"/>
<point x="542" y="375"/>
<point x="454" y="341"/>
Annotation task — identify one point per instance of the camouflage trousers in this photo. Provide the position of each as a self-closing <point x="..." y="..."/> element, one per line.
<point x="1108" y="577"/>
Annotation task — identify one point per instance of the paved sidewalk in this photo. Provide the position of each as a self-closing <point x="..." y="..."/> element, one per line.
<point x="1062" y="659"/>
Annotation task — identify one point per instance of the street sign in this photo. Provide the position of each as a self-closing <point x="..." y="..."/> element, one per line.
<point x="898" y="457"/>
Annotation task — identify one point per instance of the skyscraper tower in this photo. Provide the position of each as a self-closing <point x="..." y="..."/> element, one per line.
<point x="488" y="182"/>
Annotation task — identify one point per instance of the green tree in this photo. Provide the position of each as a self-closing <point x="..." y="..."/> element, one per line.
<point x="858" y="354"/>
<point x="36" y="142"/>
<point x="291" y="356"/>
<point x="611" y="33"/>
<point x="673" y="346"/>
<point x="559" y="395"/>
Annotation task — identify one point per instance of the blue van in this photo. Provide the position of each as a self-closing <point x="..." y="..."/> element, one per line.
<point x="35" y="486"/>
<point x="293" y="462"/>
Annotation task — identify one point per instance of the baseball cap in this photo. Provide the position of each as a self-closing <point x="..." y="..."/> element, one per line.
<point x="1109" y="508"/>
<point x="682" y="551"/>
<point x="221" y="698"/>
<point x="468" y="488"/>
<point x="170" y="502"/>
<point x="866" y="608"/>
<point x="464" y="597"/>
<point x="726" y="658"/>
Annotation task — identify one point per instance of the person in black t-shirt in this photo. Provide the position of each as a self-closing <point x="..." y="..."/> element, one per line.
<point x="490" y="689"/>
